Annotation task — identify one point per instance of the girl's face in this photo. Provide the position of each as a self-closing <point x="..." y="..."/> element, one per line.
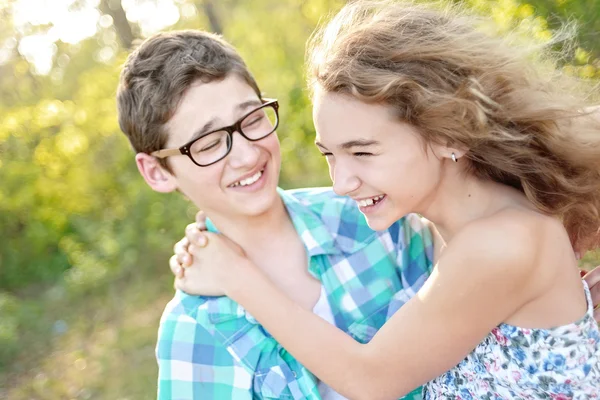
<point x="379" y="161"/>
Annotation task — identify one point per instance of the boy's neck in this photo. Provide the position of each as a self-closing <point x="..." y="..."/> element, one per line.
<point x="256" y="232"/>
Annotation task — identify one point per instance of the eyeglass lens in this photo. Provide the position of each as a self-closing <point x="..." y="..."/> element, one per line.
<point x="214" y="146"/>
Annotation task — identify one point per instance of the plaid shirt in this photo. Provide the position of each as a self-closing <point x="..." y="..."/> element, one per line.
<point x="211" y="348"/>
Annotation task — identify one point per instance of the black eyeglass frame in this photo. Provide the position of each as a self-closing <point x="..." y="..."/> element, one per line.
<point x="236" y="127"/>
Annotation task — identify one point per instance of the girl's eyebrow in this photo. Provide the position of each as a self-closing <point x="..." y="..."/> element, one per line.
<point x="353" y="143"/>
<point x="358" y="143"/>
<point x="318" y="144"/>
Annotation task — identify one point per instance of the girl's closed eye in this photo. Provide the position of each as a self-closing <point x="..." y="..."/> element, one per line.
<point x="362" y="154"/>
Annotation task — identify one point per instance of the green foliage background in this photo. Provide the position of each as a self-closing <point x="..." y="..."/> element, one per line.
<point x="84" y="243"/>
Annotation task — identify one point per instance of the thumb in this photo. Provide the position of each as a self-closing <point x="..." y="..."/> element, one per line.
<point x="593" y="277"/>
<point x="201" y="220"/>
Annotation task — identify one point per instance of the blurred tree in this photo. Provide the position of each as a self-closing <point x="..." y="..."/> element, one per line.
<point x="585" y="14"/>
<point x="538" y="19"/>
<point x="122" y="26"/>
<point x="208" y="7"/>
<point x="584" y="59"/>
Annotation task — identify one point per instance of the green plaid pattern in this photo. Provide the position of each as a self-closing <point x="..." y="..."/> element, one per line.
<point x="211" y="348"/>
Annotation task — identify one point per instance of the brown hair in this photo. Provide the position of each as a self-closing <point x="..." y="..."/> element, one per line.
<point x="459" y="86"/>
<point x="157" y="74"/>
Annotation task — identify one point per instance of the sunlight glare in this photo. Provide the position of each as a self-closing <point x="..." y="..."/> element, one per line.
<point x="66" y="26"/>
<point x="79" y="23"/>
<point x="152" y="16"/>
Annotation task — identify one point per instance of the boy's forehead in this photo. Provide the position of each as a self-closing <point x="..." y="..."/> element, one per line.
<point x="218" y="93"/>
<point x="211" y="105"/>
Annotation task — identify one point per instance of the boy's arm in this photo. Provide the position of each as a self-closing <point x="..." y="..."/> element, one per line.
<point x="193" y="365"/>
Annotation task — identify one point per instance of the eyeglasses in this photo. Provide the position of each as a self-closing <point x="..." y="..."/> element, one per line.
<point x="214" y="146"/>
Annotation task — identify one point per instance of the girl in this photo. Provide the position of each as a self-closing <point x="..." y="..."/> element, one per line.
<point x="418" y="111"/>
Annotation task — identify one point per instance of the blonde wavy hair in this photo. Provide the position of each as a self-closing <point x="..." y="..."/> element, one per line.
<point x="460" y="86"/>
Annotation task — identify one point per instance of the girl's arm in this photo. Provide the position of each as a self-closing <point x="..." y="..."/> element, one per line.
<point x="472" y="290"/>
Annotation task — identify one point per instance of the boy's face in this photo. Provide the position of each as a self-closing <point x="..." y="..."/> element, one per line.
<point x="216" y="188"/>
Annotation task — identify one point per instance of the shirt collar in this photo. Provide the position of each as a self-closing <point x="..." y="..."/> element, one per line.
<point x="313" y="232"/>
<point x="315" y="235"/>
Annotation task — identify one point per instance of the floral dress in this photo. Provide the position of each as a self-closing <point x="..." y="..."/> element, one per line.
<point x="517" y="363"/>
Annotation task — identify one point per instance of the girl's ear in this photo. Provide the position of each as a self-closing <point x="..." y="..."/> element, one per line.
<point x="451" y="152"/>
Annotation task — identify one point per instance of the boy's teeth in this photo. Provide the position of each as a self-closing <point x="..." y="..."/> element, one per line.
<point x="249" y="181"/>
<point x="369" y="202"/>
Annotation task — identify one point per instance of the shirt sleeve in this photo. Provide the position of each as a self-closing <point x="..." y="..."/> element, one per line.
<point x="416" y="245"/>
<point x="414" y="257"/>
<point x="193" y="365"/>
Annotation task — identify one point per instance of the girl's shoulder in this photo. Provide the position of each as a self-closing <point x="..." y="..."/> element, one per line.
<point x="511" y="239"/>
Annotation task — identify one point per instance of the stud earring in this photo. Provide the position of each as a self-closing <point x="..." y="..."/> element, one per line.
<point x="453" y="156"/>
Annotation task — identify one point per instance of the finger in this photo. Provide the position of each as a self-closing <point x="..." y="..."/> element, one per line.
<point x="593" y="277"/>
<point x="595" y="292"/>
<point x="182" y="253"/>
<point x="181" y="246"/>
<point x="192" y="233"/>
<point x="175" y="267"/>
<point x="173" y="264"/>
<point x="195" y="250"/>
<point x="201" y="220"/>
<point x="202" y="240"/>
<point x="191" y="228"/>
<point x="197" y="238"/>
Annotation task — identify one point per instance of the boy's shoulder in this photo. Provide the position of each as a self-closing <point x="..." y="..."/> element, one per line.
<point x="328" y="206"/>
<point x="329" y="217"/>
<point x="341" y="217"/>
<point x="317" y="196"/>
<point x="214" y="315"/>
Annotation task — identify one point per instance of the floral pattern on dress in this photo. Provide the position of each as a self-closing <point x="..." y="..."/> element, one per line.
<point x="561" y="363"/>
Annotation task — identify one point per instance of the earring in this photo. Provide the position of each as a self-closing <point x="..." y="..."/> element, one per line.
<point x="453" y="156"/>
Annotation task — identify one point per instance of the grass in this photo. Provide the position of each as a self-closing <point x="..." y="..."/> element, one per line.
<point x="92" y="345"/>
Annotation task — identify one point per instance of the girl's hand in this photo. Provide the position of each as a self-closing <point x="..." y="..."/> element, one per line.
<point x="182" y="257"/>
<point x="194" y="265"/>
<point x="593" y="280"/>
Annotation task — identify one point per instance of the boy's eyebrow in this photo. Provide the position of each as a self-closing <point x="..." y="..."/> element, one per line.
<point x="248" y="103"/>
<point x="210" y="125"/>
<point x="206" y="128"/>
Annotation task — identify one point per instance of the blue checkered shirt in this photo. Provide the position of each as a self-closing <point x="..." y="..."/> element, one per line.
<point x="211" y="348"/>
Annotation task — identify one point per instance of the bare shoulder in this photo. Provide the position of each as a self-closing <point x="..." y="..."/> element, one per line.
<point x="508" y="242"/>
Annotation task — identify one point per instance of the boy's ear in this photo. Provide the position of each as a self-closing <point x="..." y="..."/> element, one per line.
<point x="158" y="178"/>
